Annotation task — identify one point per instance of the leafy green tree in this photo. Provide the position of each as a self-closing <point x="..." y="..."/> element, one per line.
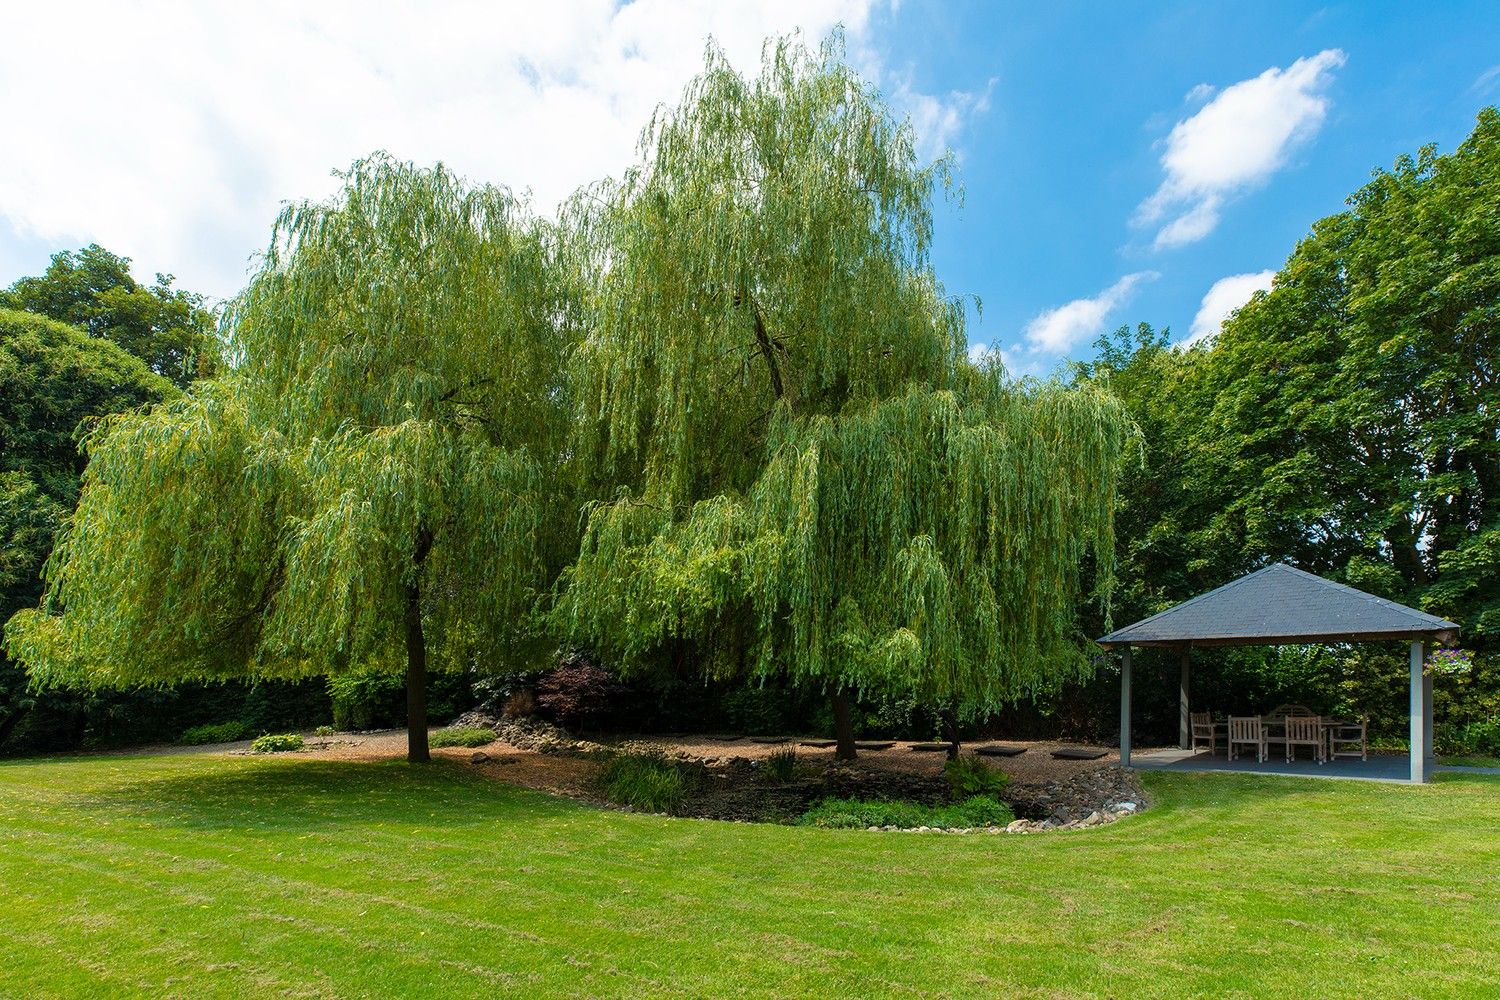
<point x="1168" y="542"/>
<point x="169" y="329"/>
<point x="53" y="380"/>
<point x="370" y="487"/>
<point x="1360" y="397"/>
<point x="1345" y="420"/>
<point x="800" y="472"/>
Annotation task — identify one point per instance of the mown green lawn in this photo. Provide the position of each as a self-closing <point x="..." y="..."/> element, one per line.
<point x="210" y="876"/>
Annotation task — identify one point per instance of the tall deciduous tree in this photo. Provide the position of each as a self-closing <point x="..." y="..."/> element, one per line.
<point x="167" y="328"/>
<point x="1347" y="420"/>
<point x="54" y="378"/>
<point x="369" y="486"/>
<point x="1356" y="405"/>
<point x="802" y="473"/>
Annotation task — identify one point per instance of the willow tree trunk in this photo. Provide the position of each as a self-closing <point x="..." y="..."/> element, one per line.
<point x="417" y="751"/>
<point x="416" y="680"/>
<point x="950" y="726"/>
<point x="843" y="726"/>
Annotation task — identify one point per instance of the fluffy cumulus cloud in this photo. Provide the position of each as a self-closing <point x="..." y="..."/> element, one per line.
<point x="1065" y="327"/>
<point x="1226" y="295"/>
<point x="172" y="133"/>
<point x="1235" y="142"/>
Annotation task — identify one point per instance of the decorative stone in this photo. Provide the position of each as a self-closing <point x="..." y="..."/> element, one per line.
<point x="479" y="757"/>
<point x="1077" y="753"/>
<point x="999" y="750"/>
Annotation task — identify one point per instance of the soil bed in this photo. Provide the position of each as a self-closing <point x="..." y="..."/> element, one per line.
<point x="1048" y="792"/>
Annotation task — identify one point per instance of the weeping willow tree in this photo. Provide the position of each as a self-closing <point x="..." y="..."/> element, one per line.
<point x="801" y="473"/>
<point x="368" y="489"/>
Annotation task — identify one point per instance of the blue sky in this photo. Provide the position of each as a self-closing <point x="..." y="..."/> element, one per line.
<point x="1120" y="160"/>
<point x="1085" y="96"/>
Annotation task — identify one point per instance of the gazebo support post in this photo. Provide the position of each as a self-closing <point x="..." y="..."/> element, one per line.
<point x="1419" y="714"/>
<point x="1427" y="719"/>
<point x="1125" y="706"/>
<point x="1184" y="720"/>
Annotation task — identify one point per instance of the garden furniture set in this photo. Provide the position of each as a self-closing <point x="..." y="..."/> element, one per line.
<point x="1291" y="726"/>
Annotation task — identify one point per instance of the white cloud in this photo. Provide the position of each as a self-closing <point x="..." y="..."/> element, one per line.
<point x="174" y="132"/>
<point x="1201" y="92"/>
<point x="1226" y="295"/>
<point x="1017" y="361"/>
<point x="1235" y="142"/>
<point x="1061" y="329"/>
<point x="938" y="121"/>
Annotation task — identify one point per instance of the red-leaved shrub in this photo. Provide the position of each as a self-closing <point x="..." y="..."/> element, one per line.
<point x="576" y="692"/>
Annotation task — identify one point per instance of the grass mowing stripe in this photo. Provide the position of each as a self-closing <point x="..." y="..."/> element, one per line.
<point x="355" y="879"/>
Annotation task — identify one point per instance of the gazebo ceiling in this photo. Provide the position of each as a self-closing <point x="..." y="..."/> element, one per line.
<point x="1277" y="605"/>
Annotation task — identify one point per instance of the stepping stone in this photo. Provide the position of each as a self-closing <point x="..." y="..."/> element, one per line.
<point x="999" y="750"/>
<point x="725" y="738"/>
<point x="819" y="744"/>
<point x="874" y="744"/>
<point x="1077" y="753"/>
<point x="769" y="740"/>
<point x="930" y="747"/>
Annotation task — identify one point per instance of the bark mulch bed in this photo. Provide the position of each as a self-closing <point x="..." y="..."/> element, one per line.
<point x="1047" y="791"/>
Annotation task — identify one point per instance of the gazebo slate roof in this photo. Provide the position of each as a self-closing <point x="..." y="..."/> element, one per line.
<point x="1280" y="604"/>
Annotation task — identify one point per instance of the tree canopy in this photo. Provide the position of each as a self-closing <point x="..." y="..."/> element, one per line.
<point x="167" y="328"/>
<point x="54" y="379"/>
<point x="368" y="478"/>
<point x="802" y="472"/>
<point x="736" y="362"/>
<point x="1346" y="419"/>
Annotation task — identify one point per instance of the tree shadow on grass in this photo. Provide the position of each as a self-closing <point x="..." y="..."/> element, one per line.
<point x="320" y="796"/>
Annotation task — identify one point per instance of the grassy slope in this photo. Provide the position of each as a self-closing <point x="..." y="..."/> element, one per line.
<point x="214" y="876"/>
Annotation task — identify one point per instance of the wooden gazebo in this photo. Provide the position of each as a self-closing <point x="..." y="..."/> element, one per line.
<point x="1283" y="605"/>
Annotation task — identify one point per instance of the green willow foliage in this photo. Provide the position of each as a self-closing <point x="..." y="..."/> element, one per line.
<point x="810" y="478"/>
<point x="380" y="445"/>
<point x="793" y="466"/>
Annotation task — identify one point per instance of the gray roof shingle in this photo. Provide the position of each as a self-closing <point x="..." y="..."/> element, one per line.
<point x="1280" y="604"/>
